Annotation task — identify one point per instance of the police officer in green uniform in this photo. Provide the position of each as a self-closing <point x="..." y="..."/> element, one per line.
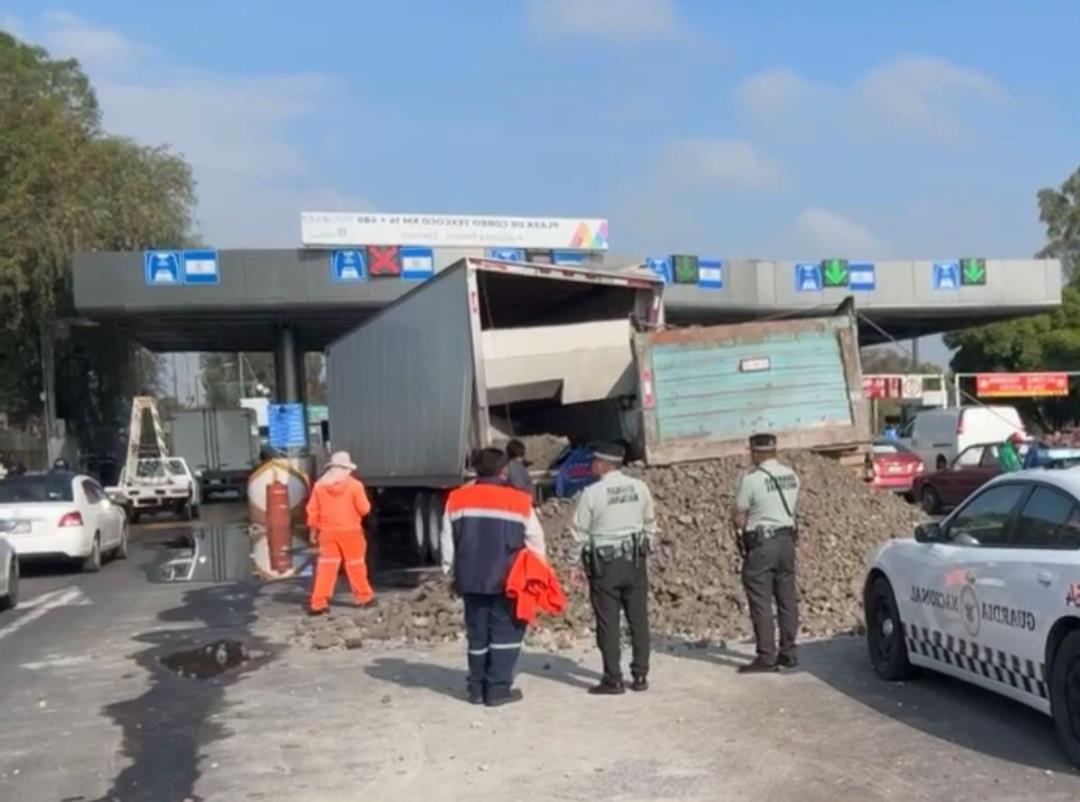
<point x="765" y="505"/>
<point x="615" y="523"/>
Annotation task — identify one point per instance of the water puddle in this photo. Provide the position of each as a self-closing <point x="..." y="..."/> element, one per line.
<point x="206" y="662"/>
<point x="225" y="553"/>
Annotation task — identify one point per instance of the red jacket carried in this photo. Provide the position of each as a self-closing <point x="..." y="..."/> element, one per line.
<point x="532" y="586"/>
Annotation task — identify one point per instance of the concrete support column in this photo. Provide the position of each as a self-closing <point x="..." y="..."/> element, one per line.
<point x="288" y="367"/>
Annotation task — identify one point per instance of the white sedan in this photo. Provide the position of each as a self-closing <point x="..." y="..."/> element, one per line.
<point x="9" y="576"/>
<point x="60" y="515"/>
<point x="990" y="595"/>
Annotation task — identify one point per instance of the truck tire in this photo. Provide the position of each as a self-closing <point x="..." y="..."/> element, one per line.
<point x="1064" y="701"/>
<point x="419" y="524"/>
<point x="433" y="550"/>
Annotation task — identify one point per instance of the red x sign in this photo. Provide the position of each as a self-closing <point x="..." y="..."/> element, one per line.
<point x="384" y="260"/>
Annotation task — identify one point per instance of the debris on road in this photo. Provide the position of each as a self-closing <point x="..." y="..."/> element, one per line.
<point x="696" y="590"/>
<point x="205" y="662"/>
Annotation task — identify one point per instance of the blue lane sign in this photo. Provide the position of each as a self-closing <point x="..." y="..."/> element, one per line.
<point x="417" y="264"/>
<point x="661" y="265"/>
<point x="946" y="275"/>
<point x="862" y="276"/>
<point x="506" y="254"/>
<point x="569" y="258"/>
<point x="286" y="424"/>
<point x="162" y="268"/>
<point x="808" y="277"/>
<point x="710" y="273"/>
<point x="347" y="266"/>
<point x="201" y="267"/>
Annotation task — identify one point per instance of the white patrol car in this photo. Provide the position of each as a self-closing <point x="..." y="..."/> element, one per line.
<point x="990" y="595"/>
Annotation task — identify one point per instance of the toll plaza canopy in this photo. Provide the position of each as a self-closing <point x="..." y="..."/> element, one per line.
<point x="239" y="300"/>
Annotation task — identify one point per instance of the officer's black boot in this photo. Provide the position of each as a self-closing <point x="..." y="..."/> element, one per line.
<point x="759" y="666"/>
<point x="608" y="688"/>
<point x="640" y="683"/>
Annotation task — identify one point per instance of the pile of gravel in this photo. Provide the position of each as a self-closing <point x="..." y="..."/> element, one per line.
<point x="696" y="591"/>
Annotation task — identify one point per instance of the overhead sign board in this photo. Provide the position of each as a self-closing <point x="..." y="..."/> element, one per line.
<point x="286" y="424"/>
<point x="661" y="266"/>
<point x="417" y="263"/>
<point x="973" y="272"/>
<point x="506" y="254"/>
<point x="808" y="277"/>
<point x="834" y="272"/>
<point x="329" y="229"/>
<point x="200" y="266"/>
<point x="946" y="275"/>
<point x="710" y="273"/>
<point x="862" y="276"/>
<point x="1021" y="385"/>
<point x="348" y="265"/>
<point x="163" y="268"/>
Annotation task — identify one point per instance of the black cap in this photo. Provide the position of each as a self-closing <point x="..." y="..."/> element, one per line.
<point x="763" y="442"/>
<point x="609" y="452"/>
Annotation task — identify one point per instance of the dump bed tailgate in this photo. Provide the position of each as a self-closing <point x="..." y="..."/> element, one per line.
<point x="704" y="390"/>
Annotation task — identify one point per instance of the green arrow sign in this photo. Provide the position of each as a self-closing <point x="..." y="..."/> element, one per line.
<point x="835" y="272"/>
<point x="973" y="272"/>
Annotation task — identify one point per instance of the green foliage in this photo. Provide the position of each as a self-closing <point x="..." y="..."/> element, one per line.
<point x="66" y="185"/>
<point x="1059" y="209"/>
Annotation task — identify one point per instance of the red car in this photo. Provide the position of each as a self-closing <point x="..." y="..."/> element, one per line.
<point x="892" y="466"/>
<point x="972" y="468"/>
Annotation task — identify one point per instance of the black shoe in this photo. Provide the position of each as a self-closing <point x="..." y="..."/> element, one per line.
<point x="370" y="604"/>
<point x="513" y="696"/>
<point x="476" y="698"/>
<point x="787" y="662"/>
<point x="606" y="688"/>
<point x="759" y="666"/>
<point x="315" y="613"/>
<point x="639" y="684"/>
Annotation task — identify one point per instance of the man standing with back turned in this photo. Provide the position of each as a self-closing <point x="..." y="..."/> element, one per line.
<point x="486" y="524"/>
<point x="765" y="518"/>
<point x="615" y="522"/>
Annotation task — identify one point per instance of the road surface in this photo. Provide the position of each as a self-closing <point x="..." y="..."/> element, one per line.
<point x="91" y="712"/>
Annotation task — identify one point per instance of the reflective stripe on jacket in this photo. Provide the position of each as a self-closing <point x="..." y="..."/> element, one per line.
<point x="488" y="519"/>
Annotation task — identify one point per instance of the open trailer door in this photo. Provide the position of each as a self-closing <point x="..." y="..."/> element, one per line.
<point x="704" y="390"/>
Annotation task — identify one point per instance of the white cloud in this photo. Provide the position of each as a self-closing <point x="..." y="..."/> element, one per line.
<point x="622" y="21"/>
<point x="68" y="36"/>
<point x="718" y="163"/>
<point x="918" y="94"/>
<point x="253" y="179"/>
<point x="827" y="232"/>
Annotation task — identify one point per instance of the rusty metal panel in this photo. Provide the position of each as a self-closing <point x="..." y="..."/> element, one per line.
<point x="705" y="390"/>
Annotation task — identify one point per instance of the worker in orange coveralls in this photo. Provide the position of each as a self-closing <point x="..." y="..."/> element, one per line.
<point x="335" y="512"/>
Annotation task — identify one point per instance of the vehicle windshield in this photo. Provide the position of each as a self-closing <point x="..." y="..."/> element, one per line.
<point x="889" y="447"/>
<point x="150" y="469"/>
<point x="176" y="467"/>
<point x="35" y="489"/>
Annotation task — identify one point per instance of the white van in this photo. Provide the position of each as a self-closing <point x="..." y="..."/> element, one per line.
<point x="938" y="435"/>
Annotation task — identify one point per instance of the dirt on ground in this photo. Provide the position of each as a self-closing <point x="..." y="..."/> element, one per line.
<point x="696" y="590"/>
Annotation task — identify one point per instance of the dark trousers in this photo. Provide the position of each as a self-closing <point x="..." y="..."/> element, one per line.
<point x="621" y="586"/>
<point x="768" y="573"/>
<point x="494" y="642"/>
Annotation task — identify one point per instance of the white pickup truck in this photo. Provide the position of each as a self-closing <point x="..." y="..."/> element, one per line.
<point x="159" y="485"/>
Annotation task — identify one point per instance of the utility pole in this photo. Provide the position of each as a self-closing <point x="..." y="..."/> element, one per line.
<point x="240" y="375"/>
<point x="48" y="388"/>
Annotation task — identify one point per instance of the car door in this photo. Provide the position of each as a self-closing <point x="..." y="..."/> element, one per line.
<point x="951" y="484"/>
<point x="98" y="509"/>
<point x="1025" y="584"/>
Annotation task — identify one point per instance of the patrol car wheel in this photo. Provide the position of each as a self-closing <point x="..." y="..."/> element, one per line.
<point x="931" y="504"/>
<point x="885" y="633"/>
<point x="1065" y="696"/>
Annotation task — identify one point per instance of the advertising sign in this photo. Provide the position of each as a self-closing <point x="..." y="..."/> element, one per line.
<point x="1021" y="385"/>
<point x="332" y="229"/>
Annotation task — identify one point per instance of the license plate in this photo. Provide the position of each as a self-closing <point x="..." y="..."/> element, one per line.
<point x="894" y="469"/>
<point x="15" y="527"/>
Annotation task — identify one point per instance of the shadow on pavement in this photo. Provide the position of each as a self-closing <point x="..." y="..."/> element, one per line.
<point x="934" y="704"/>
<point x="166" y="728"/>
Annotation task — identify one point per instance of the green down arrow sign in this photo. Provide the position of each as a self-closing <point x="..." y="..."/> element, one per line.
<point x="835" y="272"/>
<point x="973" y="272"/>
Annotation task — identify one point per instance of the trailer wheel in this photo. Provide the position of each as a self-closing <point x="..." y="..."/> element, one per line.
<point x="435" y="504"/>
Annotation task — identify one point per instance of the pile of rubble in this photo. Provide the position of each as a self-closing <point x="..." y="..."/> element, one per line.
<point x="694" y="573"/>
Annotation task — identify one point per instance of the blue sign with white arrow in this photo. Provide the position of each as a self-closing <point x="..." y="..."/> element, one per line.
<point x="946" y="275"/>
<point x="163" y="268"/>
<point x="348" y="265"/>
<point x="862" y="276"/>
<point x="808" y="277"/>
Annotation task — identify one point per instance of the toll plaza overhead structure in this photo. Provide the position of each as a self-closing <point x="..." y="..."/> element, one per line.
<point x="292" y="301"/>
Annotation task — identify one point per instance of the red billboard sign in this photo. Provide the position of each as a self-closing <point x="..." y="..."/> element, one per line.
<point x="1021" y="385"/>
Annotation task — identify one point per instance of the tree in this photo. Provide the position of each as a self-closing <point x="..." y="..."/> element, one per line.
<point x="1050" y="341"/>
<point x="67" y="185"/>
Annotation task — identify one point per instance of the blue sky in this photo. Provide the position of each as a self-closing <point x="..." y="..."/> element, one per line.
<point x="769" y="129"/>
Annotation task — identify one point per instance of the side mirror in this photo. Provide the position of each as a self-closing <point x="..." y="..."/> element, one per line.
<point x="929" y="533"/>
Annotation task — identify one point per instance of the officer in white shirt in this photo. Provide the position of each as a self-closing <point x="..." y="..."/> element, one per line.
<point x="615" y="523"/>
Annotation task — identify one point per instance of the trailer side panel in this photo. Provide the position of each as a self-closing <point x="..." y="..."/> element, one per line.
<point x="400" y="388"/>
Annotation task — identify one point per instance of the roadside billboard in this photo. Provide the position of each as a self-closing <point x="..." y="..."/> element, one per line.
<point x="1021" y="385"/>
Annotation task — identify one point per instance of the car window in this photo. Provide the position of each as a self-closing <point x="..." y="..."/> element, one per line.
<point x="177" y="467"/>
<point x="990" y="457"/>
<point x="983" y="519"/>
<point x="93" y="493"/>
<point x="969" y="457"/>
<point x="1070" y="532"/>
<point x="36" y="489"/>
<point x="1043" y="520"/>
<point x="885" y="448"/>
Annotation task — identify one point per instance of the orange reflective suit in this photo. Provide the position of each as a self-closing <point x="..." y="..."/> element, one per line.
<point x="335" y="511"/>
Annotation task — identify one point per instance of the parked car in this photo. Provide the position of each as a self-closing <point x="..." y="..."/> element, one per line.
<point x="944" y="489"/>
<point x="892" y="466"/>
<point x="990" y="596"/>
<point x="9" y="575"/>
<point x="939" y="435"/>
<point x="61" y="515"/>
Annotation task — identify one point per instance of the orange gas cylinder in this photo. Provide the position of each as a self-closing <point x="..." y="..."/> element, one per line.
<point x="278" y="525"/>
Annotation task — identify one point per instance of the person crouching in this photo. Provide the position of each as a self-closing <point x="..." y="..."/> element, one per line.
<point x="486" y="524"/>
